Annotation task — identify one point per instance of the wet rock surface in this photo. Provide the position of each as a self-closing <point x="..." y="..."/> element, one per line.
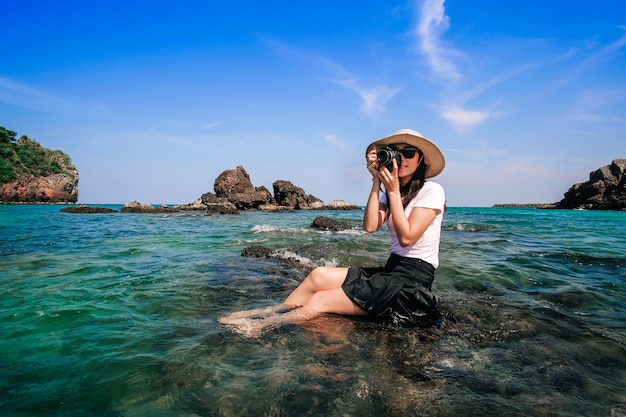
<point x="327" y="223"/>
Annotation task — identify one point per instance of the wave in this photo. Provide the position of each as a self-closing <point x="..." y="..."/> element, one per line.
<point x="469" y="227"/>
<point x="266" y="228"/>
<point x="287" y="254"/>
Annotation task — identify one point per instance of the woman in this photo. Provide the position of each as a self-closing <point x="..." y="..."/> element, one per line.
<point x="399" y="292"/>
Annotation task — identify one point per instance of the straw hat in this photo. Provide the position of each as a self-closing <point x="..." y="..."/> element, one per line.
<point x="432" y="154"/>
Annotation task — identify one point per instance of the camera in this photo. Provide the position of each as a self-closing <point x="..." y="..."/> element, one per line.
<point x="386" y="156"/>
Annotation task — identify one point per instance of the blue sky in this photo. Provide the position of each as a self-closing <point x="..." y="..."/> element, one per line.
<point x="154" y="99"/>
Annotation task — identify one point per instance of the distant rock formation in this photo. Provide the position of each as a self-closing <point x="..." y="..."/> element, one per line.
<point x="30" y="173"/>
<point x="137" y="207"/>
<point x="234" y="191"/>
<point x="292" y="197"/>
<point x="524" y="205"/>
<point x="605" y="190"/>
<point x="85" y="209"/>
<point x="55" y="188"/>
<point x="341" y="205"/>
<point x="235" y="186"/>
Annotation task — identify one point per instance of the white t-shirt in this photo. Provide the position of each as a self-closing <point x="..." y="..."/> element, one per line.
<point x="427" y="246"/>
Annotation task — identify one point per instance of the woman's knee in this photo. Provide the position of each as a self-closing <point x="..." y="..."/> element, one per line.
<point x="325" y="278"/>
<point x="332" y="301"/>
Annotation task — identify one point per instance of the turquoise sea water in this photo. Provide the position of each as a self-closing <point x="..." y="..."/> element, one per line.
<point x="115" y="315"/>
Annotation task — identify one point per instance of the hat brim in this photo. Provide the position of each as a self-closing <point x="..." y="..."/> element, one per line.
<point x="432" y="154"/>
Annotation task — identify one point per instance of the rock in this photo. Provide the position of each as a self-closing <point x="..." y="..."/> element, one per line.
<point x="326" y="223"/>
<point x="55" y="188"/>
<point x="197" y="205"/>
<point x="605" y="190"/>
<point x="290" y="196"/>
<point x="33" y="174"/>
<point x="234" y="191"/>
<point x="286" y="262"/>
<point x="82" y="208"/>
<point x="341" y="205"/>
<point x="137" y="207"/>
<point x="524" y="205"/>
<point x="257" y="252"/>
<point x="215" y="204"/>
<point x="233" y="181"/>
<point x="251" y="200"/>
<point x="235" y="186"/>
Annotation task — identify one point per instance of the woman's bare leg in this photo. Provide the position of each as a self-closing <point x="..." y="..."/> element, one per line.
<point x="319" y="293"/>
<point x="328" y="301"/>
<point x="320" y="279"/>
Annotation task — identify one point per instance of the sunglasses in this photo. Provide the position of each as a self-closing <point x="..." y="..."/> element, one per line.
<point x="408" y="152"/>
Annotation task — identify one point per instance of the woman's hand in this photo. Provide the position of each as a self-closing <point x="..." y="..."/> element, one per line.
<point x="381" y="173"/>
<point x="390" y="178"/>
<point x="372" y="162"/>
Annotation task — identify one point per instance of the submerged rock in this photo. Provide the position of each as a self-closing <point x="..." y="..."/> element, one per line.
<point x="291" y="263"/>
<point x="257" y="252"/>
<point x="326" y="223"/>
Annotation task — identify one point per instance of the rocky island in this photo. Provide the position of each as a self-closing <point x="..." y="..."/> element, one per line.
<point x="30" y="173"/>
<point x="605" y="190"/>
<point x="233" y="192"/>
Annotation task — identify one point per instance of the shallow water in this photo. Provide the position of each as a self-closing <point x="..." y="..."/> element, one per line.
<point x="115" y="315"/>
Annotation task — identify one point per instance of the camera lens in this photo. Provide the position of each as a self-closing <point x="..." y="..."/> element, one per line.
<point x="386" y="156"/>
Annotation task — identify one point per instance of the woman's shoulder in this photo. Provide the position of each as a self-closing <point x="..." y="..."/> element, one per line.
<point x="432" y="186"/>
<point x="431" y="194"/>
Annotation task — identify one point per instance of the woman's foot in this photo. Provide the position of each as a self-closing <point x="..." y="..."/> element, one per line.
<point x="255" y="313"/>
<point x="249" y="327"/>
<point x="255" y="325"/>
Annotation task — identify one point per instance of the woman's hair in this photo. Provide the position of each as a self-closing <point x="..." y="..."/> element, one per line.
<point x="410" y="190"/>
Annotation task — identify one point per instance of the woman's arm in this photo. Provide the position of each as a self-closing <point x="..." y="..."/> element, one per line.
<point x="408" y="229"/>
<point x="375" y="212"/>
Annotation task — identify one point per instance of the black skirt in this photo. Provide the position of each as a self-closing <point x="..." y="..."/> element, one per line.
<point x="399" y="292"/>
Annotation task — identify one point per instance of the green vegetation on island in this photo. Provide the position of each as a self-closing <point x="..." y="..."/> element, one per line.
<point x="25" y="156"/>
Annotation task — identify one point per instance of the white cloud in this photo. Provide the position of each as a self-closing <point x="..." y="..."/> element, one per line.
<point x="590" y="117"/>
<point x="433" y="23"/>
<point x="17" y="94"/>
<point x="373" y="99"/>
<point x="464" y="119"/>
<point x="310" y="57"/>
<point x="335" y="141"/>
<point x="608" y="51"/>
<point x="212" y="125"/>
